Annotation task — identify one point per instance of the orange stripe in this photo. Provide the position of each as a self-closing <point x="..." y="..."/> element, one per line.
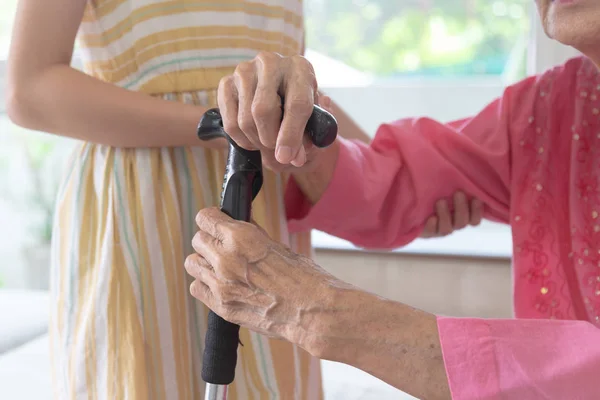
<point x="150" y="11"/>
<point x="127" y="357"/>
<point x="282" y="353"/>
<point x="304" y="373"/>
<point x="80" y="297"/>
<point x="98" y="8"/>
<point x="134" y="59"/>
<point x="176" y="244"/>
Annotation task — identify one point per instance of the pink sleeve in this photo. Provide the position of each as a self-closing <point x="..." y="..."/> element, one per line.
<point x="380" y="195"/>
<point x="520" y="359"/>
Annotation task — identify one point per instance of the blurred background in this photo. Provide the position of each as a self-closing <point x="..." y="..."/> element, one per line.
<point x="381" y="60"/>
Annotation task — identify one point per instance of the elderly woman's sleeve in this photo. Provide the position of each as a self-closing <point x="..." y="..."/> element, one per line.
<point x="520" y="359"/>
<point x="381" y="195"/>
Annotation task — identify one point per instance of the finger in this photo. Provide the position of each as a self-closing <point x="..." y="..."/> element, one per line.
<point x="444" y="218"/>
<point x="430" y="228"/>
<point x="461" y="210"/>
<point x="476" y="212"/>
<point x="194" y="264"/>
<point x="202" y="292"/>
<point x="211" y="250"/>
<point x="245" y="82"/>
<point x="266" y="107"/>
<point x="299" y="92"/>
<point x="227" y="99"/>
<point x="210" y="221"/>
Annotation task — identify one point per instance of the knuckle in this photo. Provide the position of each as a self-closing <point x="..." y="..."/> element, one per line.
<point x="301" y="61"/>
<point x="201" y="216"/>
<point x="231" y="127"/>
<point x="300" y="105"/>
<point x="268" y="57"/>
<point x="262" y="109"/>
<point x="221" y="264"/>
<point x="196" y="290"/>
<point x="190" y="260"/>
<point x="227" y="81"/>
<point x="244" y="69"/>
<point x="196" y="239"/>
<point x="246" y="123"/>
<point x="228" y="292"/>
<point x="225" y="87"/>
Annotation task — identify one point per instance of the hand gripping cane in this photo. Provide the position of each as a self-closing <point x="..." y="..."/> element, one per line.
<point x="243" y="180"/>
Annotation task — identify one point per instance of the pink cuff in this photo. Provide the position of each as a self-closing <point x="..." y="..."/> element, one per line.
<point x="466" y="343"/>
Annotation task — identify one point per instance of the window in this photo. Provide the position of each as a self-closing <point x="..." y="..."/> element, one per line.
<point x="422" y="38"/>
<point x="7" y="12"/>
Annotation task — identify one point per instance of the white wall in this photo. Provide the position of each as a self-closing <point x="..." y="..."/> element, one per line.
<point x="372" y="105"/>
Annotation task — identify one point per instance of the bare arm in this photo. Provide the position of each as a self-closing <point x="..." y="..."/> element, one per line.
<point x="46" y="94"/>
<point x="391" y="341"/>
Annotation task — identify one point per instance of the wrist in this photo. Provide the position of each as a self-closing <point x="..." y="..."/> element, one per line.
<point x="338" y="324"/>
<point x="314" y="179"/>
<point x="392" y="341"/>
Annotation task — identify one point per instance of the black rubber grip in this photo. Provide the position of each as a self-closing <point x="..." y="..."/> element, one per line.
<point x="321" y="127"/>
<point x="220" y="351"/>
<point x="242" y="182"/>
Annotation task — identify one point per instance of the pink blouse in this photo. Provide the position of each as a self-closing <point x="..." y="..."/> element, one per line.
<point x="533" y="157"/>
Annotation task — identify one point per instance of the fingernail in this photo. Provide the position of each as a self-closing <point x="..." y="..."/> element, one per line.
<point x="284" y="154"/>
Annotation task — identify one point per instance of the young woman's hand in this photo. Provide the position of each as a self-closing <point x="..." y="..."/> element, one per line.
<point x="465" y="212"/>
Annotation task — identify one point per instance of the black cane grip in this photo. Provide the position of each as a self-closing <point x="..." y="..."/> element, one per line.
<point x="321" y="126"/>
<point x="220" y="351"/>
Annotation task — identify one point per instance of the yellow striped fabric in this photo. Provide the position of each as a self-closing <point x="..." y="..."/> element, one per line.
<point x="123" y="323"/>
<point x="162" y="46"/>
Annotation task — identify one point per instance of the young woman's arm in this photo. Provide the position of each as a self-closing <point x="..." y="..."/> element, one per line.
<point x="46" y="94"/>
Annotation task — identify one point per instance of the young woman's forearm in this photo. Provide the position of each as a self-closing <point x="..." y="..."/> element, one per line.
<point x="67" y="102"/>
<point x="46" y="94"/>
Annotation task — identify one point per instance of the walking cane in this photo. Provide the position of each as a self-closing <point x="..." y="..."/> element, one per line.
<point x="243" y="180"/>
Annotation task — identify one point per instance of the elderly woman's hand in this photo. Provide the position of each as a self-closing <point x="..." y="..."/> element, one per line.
<point x="250" y="101"/>
<point x="253" y="281"/>
<point x="249" y="279"/>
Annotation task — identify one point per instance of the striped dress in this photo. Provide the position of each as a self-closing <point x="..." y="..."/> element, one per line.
<point x="123" y="323"/>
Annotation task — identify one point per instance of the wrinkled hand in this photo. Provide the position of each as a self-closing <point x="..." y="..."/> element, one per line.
<point x="444" y="222"/>
<point x="253" y="281"/>
<point x="251" y="107"/>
